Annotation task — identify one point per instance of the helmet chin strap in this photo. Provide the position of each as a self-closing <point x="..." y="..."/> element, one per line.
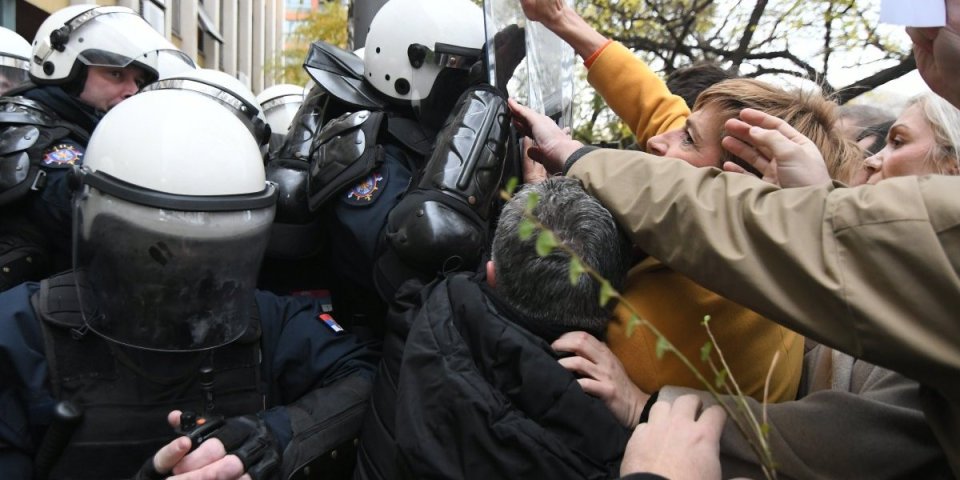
<point x="75" y="84"/>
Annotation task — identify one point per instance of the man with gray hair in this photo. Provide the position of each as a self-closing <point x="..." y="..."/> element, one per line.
<point x="468" y="385"/>
<point x="539" y="287"/>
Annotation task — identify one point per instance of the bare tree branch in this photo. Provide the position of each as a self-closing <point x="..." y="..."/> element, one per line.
<point x="866" y="84"/>
<point x="738" y="55"/>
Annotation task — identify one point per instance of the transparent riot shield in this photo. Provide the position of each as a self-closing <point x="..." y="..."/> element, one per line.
<point x="537" y="72"/>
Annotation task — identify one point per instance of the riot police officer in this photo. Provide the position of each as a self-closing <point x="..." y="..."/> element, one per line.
<point x="280" y="104"/>
<point x="412" y="152"/>
<point x="85" y="60"/>
<point x="160" y="314"/>
<point x="14" y="60"/>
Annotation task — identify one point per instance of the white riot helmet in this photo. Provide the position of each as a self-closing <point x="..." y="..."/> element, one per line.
<point x="411" y="42"/>
<point x="14" y="60"/>
<point x="171" y="221"/>
<point x="280" y="103"/>
<point x="91" y="35"/>
<point x="225" y="89"/>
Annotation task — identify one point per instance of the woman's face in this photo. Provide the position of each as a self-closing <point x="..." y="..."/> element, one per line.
<point x="909" y="143"/>
<point x="697" y="143"/>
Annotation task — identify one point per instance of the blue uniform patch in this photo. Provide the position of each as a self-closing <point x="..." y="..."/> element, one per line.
<point x="63" y="154"/>
<point x="367" y="191"/>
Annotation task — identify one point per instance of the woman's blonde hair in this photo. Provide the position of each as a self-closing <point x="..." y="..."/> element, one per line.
<point x="944" y="120"/>
<point x="808" y="112"/>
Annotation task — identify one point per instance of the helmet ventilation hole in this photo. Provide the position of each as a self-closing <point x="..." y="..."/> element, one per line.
<point x="402" y="86"/>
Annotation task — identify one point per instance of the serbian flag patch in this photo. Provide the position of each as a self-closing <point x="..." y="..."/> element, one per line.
<point x="330" y="322"/>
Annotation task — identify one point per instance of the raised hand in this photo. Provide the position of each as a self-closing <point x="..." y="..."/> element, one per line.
<point x="785" y="156"/>
<point x="602" y="375"/>
<point x="547" y="12"/>
<point x="937" y="51"/>
<point x="675" y="443"/>
<point x="552" y="145"/>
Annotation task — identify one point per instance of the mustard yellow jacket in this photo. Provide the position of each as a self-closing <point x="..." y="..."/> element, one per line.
<point x="670" y="301"/>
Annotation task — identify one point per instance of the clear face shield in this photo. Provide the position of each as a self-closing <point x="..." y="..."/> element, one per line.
<point x="13" y="73"/>
<point x="453" y="65"/>
<point x="167" y="278"/>
<point x="534" y="66"/>
<point x="280" y="113"/>
<point x="113" y="37"/>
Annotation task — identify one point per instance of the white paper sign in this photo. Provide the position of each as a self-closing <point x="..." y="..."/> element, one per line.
<point x="914" y="13"/>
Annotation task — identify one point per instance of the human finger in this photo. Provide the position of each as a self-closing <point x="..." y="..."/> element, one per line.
<point x="173" y="418"/>
<point x="737" y="128"/>
<point x="209" y="452"/>
<point x="533" y="171"/>
<point x="592" y="387"/>
<point x="227" y="468"/>
<point x="579" y="343"/>
<point x="745" y="152"/>
<point x="580" y="366"/>
<point x="758" y="118"/>
<point x="733" y="168"/>
<point x="713" y="418"/>
<point x="659" y="412"/>
<point x="171" y="453"/>
<point x="772" y="143"/>
<point x="686" y="406"/>
<point x="520" y="118"/>
<point x="922" y="38"/>
<point x="769" y="122"/>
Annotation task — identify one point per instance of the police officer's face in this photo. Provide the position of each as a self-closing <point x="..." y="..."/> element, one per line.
<point x="108" y="86"/>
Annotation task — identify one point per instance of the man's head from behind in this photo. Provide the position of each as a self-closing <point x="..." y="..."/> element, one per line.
<point x="540" y="287"/>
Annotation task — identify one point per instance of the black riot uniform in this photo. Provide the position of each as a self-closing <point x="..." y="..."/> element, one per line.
<point x="392" y="191"/>
<point x="44" y="133"/>
<point x="160" y="313"/>
<point x="45" y="126"/>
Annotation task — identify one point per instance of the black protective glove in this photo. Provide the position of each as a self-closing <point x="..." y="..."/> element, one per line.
<point x="247" y="437"/>
<point x="251" y="441"/>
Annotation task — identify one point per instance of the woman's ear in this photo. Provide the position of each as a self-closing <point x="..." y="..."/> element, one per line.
<point x="950" y="165"/>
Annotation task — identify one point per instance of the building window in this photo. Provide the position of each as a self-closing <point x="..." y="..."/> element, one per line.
<point x="175" y="16"/>
<point x="153" y="12"/>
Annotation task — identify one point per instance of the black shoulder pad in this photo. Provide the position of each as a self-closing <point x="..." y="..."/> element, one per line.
<point x="23" y="111"/>
<point x="18" y="139"/>
<point x="16" y="169"/>
<point x="21" y="151"/>
<point x="340" y="73"/>
<point x="344" y="151"/>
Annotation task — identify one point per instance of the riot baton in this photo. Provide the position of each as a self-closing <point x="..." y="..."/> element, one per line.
<point x="66" y="417"/>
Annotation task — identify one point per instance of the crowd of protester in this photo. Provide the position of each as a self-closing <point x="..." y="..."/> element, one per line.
<point x="147" y="207"/>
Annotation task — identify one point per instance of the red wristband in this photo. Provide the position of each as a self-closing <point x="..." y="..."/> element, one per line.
<point x="593" y="56"/>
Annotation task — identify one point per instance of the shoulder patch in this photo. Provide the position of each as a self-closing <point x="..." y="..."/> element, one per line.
<point x="62" y="154"/>
<point x="367" y="190"/>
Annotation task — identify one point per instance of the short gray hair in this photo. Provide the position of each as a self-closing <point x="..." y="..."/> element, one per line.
<point x="539" y="287"/>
